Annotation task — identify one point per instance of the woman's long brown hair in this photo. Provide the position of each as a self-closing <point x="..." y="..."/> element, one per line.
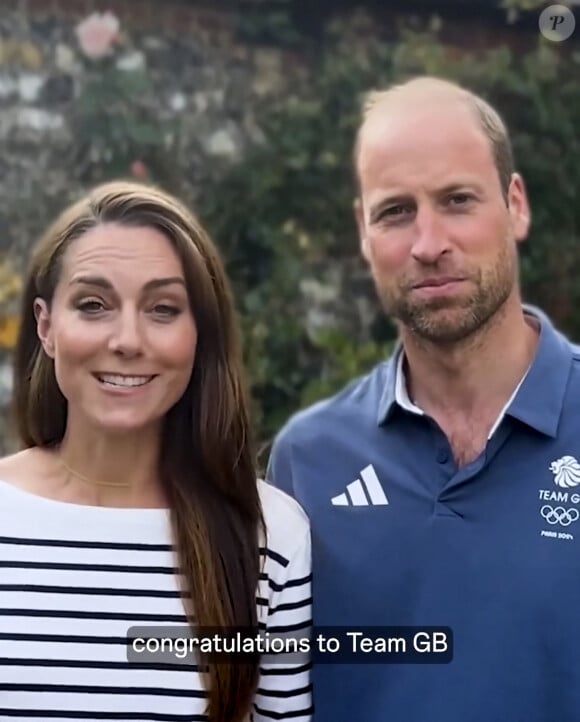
<point x="207" y="457"/>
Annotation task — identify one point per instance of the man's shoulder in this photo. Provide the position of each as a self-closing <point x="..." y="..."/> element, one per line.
<point x="575" y="353"/>
<point x="355" y="402"/>
<point x="573" y="349"/>
<point x="575" y="374"/>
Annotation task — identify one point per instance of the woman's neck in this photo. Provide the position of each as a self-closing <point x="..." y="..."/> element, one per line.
<point x="111" y="470"/>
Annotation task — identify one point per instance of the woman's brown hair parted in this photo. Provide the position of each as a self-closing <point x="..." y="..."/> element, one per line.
<point x="207" y="455"/>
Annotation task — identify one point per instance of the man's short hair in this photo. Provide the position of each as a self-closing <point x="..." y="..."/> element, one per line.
<point x="489" y="119"/>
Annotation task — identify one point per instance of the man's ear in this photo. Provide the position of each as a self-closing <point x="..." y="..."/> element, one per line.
<point x="360" y="222"/>
<point x="44" y="326"/>
<point x="519" y="207"/>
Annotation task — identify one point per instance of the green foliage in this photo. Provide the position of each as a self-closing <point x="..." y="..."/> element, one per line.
<point x="340" y="362"/>
<point x="284" y="215"/>
<point x="267" y="21"/>
<point x="116" y="122"/>
<point x="515" y="8"/>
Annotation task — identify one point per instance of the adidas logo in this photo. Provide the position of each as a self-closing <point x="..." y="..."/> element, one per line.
<point x="366" y="491"/>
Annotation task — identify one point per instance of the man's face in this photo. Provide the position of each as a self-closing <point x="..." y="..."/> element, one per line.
<point x="435" y="226"/>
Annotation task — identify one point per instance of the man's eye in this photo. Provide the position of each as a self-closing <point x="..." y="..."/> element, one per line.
<point x="395" y="210"/>
<point x="458" y="199"/>
<point x="395" y="213"/>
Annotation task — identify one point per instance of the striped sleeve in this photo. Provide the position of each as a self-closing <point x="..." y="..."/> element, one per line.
<point x="284" y="691"/>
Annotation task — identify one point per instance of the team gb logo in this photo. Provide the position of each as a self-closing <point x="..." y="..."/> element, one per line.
<point x="566" y="471"/>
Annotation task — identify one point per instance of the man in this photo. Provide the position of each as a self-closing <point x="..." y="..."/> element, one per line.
<point x="444" y="487"/>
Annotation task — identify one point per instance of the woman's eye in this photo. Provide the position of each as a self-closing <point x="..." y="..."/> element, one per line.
<point x="92" y="306"/>
<point x="165" y="310"/>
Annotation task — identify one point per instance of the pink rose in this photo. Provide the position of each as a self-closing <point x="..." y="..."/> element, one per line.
<point x="97" y="34"/>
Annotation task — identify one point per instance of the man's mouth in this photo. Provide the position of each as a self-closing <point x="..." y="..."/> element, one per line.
<point x="121" y="380"/>
<point x="436" y="282"/>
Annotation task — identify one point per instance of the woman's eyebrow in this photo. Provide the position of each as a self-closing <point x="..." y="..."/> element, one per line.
<point x="102" y="282"/>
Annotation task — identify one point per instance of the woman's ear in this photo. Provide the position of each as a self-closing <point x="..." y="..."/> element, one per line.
<point x="44" y="326"/>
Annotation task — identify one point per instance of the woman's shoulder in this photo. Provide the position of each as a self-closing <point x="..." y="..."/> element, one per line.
<point x="281" y="509"/>
<point x="287" y="525"/>
<point x="19" y="469"/>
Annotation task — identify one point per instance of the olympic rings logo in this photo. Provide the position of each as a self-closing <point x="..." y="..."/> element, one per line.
<point x="559" y="515"/>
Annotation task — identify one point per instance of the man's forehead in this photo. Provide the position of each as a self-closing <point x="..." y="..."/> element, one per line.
<point x="401" y="113"/>
<point x="415" y="132"/>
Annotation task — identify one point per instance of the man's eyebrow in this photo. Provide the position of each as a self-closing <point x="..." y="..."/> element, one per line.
<point x="104" y="283"/>
<point x="459" y="187"/>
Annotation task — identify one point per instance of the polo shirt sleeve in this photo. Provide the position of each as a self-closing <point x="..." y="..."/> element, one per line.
<point x="279" y="469"/>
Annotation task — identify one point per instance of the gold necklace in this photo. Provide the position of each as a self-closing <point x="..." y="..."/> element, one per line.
<point x="88" y="481"/>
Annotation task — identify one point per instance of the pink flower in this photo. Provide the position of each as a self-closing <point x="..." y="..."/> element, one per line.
<point x="139" y="169"/>
<point x="97" y="34"/>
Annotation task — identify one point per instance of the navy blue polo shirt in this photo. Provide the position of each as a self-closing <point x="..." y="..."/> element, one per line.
<point x="402" y="537"/>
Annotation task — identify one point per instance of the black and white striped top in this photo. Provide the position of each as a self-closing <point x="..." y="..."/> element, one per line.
<point x="74" y="579"/>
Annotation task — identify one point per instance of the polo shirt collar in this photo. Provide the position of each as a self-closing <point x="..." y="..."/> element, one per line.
<point x="538" y="399"/>
<point x="541" y="397"/>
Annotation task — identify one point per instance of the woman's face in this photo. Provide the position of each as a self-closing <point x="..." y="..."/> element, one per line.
<point x="120" y="328"/>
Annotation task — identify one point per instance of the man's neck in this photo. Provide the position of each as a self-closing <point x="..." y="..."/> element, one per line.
<point x="475" y="377"/>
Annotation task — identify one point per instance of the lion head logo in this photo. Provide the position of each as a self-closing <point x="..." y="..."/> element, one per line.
<point x="566" y="472"/>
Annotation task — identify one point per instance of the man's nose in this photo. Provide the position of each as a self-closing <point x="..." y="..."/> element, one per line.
<point x="431" y="236"/>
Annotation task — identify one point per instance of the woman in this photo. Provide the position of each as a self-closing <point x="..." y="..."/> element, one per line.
<point x="135" y="500"/>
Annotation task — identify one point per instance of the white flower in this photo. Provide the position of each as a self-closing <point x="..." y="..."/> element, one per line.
<point x="177" y="102"/>
<point x="131" y="62"/>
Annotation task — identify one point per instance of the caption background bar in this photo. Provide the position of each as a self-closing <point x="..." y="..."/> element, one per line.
<point x="321" y="645"/>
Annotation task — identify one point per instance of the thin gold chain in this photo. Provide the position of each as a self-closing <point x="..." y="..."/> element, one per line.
<point x="88" y="481"/>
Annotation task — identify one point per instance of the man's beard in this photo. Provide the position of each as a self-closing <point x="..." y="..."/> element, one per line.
<point x="449" y="321"/>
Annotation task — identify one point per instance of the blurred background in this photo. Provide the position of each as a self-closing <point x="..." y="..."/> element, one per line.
<point x="246" y="110"/>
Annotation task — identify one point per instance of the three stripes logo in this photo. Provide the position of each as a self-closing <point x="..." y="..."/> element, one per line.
<point x="366" y="491"/>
